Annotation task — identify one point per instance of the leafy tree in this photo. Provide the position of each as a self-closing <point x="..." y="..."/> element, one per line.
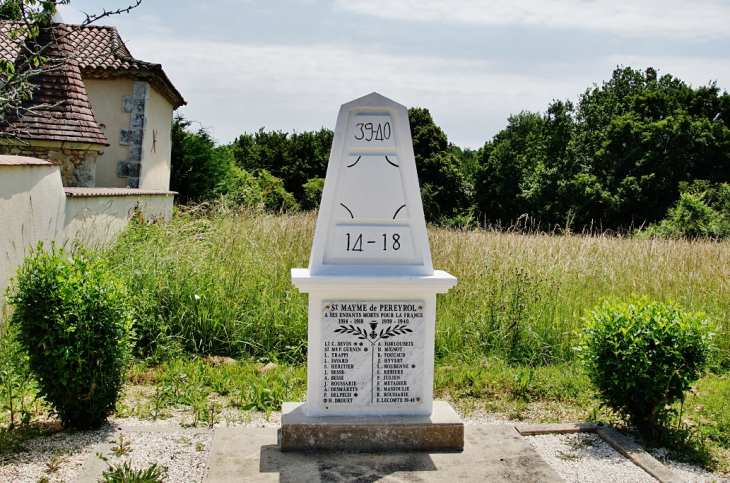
<point x="294" y="158"/>
<point x="444" y="190"/>
<point x="10" y="10"/>
<point x="468" y="162"/>
<point x="638" y="137"/>
<point x="616" y="160"/>
<point x="506" y="161"/>
<point x="198" y="168"/>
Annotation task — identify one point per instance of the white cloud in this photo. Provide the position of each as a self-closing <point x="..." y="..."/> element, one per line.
<point x="634" y="18"/>
<point x="239" y="88"/>
<point x="236" y="88"/>
<point x="694" y="71"/>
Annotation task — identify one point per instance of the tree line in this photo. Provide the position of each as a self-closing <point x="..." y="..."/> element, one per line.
<point x="638" y="151"/>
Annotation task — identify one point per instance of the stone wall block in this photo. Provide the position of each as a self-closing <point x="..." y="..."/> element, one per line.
<point x="133" y="104"/>
<point x="85" y="170"/>
<point x="133" y="137"/>
<point x="127" y="169"/>
<point x="141" y="89"/>
<point x="137" y="120"/>
<point x="136" y="105"/>
<point x="135" y="154"/>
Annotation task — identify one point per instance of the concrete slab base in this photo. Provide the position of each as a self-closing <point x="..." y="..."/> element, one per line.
<point x="494" y="453"/>
<point x="442" y="431"/>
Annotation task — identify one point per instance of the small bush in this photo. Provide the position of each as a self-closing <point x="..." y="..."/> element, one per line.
<point x="276" y="197"/>
<point x="74" y="322"/>
<point x="703" y="210"/>
<point x="642" y="356"/>
<point x="313" y="193"/>
<point x="261" y="191"/>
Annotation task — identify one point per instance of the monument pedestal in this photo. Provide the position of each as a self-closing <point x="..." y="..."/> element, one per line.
<point x="443" y="430"/>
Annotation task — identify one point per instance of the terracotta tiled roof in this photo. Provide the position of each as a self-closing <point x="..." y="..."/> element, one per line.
<point x="98" y="52"/>
<point x="102" y="54"/>
<point x="7" y="160"/>
<point x="9" y="48"/>
<point x="63" y="111"/>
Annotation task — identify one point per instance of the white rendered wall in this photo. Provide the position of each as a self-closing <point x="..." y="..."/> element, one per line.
<point x="96" y="220"/>
<point x="157" y="147"/>
<point x="105" y="96"/>
<point x="32" y="205"/>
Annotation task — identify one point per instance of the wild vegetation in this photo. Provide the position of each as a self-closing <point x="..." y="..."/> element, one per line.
<point x="215" y="282"/>
<point x="641" y="152"/>
<point x="74" y="326"/>
<point x="506" y="336"/>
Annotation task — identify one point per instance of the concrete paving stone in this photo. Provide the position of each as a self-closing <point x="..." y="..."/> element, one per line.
<point x="493" y="453"/>
<point x="441" y="431"/>
<point x="628" y="447"/>
<point x="569" y="428"/>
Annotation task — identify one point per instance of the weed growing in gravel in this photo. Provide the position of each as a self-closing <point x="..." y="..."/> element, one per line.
<point x="54" y="463"/>
<point x="124" y="473"/>
<point x="121" y="447"/>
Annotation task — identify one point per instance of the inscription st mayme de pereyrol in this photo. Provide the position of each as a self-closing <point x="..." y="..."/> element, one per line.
<point x="372" y="353"/>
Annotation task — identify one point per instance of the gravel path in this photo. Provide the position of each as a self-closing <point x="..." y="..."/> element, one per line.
<point x="586" y="458"/>
<point x="183" y="454"/>
<point x="580" y="457"/>
<point x="59" y="457"/>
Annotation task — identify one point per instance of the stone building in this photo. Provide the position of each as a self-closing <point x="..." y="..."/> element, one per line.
<point x="94" y="150"/>
<point x="103" y="115"/>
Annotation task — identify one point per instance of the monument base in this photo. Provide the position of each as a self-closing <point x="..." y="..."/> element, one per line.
<point x="443" y="430"/>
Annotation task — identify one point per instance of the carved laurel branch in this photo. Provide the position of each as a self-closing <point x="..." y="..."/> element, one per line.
<point x="351" y="329"/>
<point x="394" y="330"/>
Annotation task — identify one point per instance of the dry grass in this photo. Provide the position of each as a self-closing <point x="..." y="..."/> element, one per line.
<point x="219" y="279"/>
<point x="573" y="273"/>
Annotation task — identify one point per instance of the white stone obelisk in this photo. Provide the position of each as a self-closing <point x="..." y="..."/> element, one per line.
<point x="371" y="283"/>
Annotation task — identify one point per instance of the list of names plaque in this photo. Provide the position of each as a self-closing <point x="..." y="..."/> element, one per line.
<point x="373" y="353"/>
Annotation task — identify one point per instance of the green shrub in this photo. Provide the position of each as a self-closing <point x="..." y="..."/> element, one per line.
<point x="642" y="356"/>
<point x="692" y="217"/>
<point x="313" y="193"/>
<point x="74" y="322"/>
<point x="276" y="197"/>
<point x="17" y="387"/>
<point x="703" y="210"/>
<point x="261" y="191"/>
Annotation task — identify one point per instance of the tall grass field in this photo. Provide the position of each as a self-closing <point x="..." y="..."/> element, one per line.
<point x="216" y="281"/>
<point x="214" y="284"/>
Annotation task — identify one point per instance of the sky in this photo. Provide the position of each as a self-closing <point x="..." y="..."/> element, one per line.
<point x="289" y="64"/>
